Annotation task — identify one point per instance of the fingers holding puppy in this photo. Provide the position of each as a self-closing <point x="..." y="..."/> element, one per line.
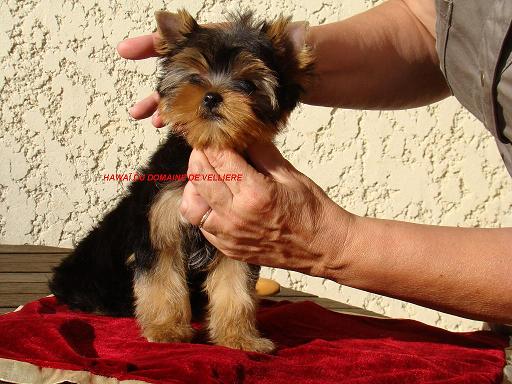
<point x="200" y="195"/>
<point x="228" y="197"/>
<point x="238" y="205"/>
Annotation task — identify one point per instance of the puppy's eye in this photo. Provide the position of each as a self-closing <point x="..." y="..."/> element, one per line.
<point x="195" y="79"/>
<point x="246" y="86"/>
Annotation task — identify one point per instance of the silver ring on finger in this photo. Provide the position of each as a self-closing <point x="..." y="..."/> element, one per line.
<point x="204" y="218"/>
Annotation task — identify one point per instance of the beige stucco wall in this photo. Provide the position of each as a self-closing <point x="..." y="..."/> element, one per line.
<point x="64" y="123"/>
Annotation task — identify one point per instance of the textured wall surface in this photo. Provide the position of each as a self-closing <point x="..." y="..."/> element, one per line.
<point x="64" y="124"/>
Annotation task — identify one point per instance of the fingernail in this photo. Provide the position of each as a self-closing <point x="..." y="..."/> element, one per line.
<point x="119" y="46"/>
<point x="183" y="212"/>
<point x="184" y="206"/>
<point x="154" y="118"/>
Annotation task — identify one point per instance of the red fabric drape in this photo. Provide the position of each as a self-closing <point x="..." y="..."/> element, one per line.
<point x="314" y="346"/>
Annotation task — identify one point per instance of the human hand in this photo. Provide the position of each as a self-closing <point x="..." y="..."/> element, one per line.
<point x="138" y="48"/>
<point x="274" y="216"/>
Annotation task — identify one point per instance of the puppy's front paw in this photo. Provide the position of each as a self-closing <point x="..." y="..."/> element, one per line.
<point x="248" y="344"/>
<point x="168" y="334"/>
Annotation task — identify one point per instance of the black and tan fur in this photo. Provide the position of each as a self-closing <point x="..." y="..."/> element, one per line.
<point x="225" y="85"/>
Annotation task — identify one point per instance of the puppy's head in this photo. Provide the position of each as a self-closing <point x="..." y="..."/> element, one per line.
<point x="228" y="84"/>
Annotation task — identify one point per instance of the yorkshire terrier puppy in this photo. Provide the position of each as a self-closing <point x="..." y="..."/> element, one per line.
<point x="225" y="85"/>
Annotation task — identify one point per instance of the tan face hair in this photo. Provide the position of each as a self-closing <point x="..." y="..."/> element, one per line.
<point x="230" y="85"/>
<point x="228" y="122"/>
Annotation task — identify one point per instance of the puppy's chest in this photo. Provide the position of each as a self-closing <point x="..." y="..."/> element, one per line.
<point x="170" y="235"/>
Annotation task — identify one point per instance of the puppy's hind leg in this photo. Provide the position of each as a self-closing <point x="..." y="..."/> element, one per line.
<point x="162" y="305"/>
<point x="232" y="306"/>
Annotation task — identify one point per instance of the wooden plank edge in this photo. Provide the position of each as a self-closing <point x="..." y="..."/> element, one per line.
<point x="7" y="309"/>
<point x="28" y="248"/>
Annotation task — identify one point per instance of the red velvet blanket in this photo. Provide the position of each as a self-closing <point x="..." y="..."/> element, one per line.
<point x="315" y="346"/>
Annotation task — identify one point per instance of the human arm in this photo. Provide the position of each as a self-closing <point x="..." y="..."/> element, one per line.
<point x="462" y="271"/>
<point x="278" y="217"/>
<point x="384" y="58"/>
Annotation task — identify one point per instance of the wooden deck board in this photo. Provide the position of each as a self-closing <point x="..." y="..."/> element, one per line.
<point x="51" y="258"/>
<point x="18" y="277"/>
<point x="7" y="310"/>
<point x="26" y="269"/>
<point x="288" y="292"/>
<point x="8" y="248"/>
<point x="359" y="312"/>
<point x="15" y="299"/>
<point x="41" y="288"/>
<point x="326" y="303"/>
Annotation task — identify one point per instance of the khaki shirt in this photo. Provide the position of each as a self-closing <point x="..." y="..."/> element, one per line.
<point x="474" y="43"/>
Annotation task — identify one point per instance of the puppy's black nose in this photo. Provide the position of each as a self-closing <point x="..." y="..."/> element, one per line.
<point x="211" y="100"/>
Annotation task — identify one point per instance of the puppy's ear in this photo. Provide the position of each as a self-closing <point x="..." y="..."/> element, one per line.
<point x="287" y="38"/>
<point x="277" y="33"/>
<point x="173" y="28"/>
